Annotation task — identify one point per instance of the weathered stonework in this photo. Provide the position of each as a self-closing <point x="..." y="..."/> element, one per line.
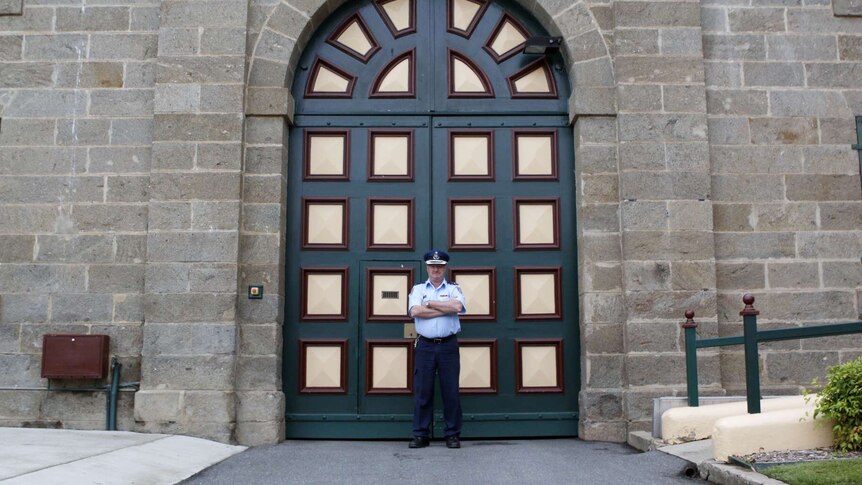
<point x="143" y="152"/>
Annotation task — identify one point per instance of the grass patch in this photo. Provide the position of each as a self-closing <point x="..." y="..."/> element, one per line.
<point x="827" y="472"/>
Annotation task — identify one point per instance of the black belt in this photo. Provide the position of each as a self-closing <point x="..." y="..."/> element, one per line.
<point x="437" y="340"/>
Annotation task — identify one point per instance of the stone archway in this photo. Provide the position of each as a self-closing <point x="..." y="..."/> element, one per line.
<point x="284" y="30"/>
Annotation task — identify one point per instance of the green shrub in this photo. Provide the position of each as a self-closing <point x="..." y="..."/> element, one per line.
<point x="841" y="400"/>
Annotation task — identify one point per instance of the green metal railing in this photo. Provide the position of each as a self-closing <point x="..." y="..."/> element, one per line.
<point x="749" y="339"/>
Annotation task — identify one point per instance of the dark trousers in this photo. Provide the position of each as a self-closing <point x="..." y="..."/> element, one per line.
<point x="432" y="359"/>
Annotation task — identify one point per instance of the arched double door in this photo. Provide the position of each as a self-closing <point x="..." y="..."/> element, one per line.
<point x="421" y="124"/>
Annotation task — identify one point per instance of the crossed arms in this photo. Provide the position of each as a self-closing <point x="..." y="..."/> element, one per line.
<point x="436" y="309"/>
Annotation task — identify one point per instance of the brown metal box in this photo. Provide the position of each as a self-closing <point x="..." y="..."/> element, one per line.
<point x="74" y="356"/>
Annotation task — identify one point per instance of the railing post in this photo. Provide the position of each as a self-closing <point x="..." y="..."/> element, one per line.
<point x="691" y="358"/>
<point x="752" y="360"/>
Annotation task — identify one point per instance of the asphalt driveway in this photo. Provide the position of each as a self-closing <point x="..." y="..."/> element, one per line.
<point x="546" y="461"/>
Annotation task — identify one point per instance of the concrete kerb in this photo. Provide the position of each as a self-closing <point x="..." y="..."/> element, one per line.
<point x="732" y="475"/>
<point x="699" y="455"/>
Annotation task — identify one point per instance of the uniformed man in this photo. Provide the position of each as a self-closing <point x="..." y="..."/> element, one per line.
<point x="434" y="305"/>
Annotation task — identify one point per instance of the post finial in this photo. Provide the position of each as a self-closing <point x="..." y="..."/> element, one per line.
<point x="689" y="319"/>
<point x="749" y="309"/>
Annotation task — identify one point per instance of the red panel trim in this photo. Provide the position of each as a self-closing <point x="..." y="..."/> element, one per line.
<point x="411" y="78"/>
<point x="491" y="223"/>
<point x="369" y="366"/>
<point x="303" y="292"/>
<point x="369" y="293"/>
<point x="514" y="50"/>
<point x="397" y="33"/>
<point x="345" y="211"/>
<point x="410" y="155"/>
<point x="306" y="154"/>
<point x="558" y="292"/>
<point x="332" y="40"/>
<point x="492" y="344"/>
<point x="519" y="385"/>
<point x="303" y="348"/>
<point x="315" y="70"/>
<point x="370" y="218"/>
<point x="491" y="272"/>
<point x="450" y="18"/>
<point x="554" y="155"/>
<point x="546" y="69"/>
<point x="489" y="135"/>
<point x="516" y="237"/>
<point x="450" y="76"/>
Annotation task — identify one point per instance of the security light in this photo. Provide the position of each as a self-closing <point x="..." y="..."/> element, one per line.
<point x="542" y="45"/>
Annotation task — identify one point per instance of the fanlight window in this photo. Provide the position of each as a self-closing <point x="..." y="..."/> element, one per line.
<point x="534" y="81"/>
<point x="354" y="38"/>
<point x="399" y="15"/>
<point x="336" y="76"/>
<point x="327" y="80"/>
<point x="466" y="79"/>
<point x="507" y="39"/>
<point x="397" y="79"/>
<point x="463" y="15"/>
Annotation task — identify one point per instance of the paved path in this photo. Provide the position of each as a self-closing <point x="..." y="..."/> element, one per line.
<point x="68" y="457"/>
<point x="546" y="462"/>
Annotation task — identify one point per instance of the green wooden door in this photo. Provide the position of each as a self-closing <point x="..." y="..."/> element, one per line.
<point x="509" y="228"/>
<point x="358" y="231"/>
<point x="474" y="155"/>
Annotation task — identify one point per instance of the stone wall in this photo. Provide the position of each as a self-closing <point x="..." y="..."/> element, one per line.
<point x="76" y="128"/>
<point x="143" y="175"/>
<point x="782" y="91"/>
<point x="665" y="196"/>
<point x="189" y="366"/>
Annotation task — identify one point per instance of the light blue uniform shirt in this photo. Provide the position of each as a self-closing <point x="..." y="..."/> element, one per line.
<point x="442" y="326"/>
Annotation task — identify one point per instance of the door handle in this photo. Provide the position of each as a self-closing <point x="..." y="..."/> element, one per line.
<point x="410" y="330"/>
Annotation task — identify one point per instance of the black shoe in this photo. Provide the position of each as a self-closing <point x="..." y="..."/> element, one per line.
<point x="453" y="442"/>
<point x="419" y="442"/>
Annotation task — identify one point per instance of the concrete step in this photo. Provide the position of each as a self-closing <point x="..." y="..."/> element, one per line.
<point x="696" y="423"/>
<point x="789" y="429"/>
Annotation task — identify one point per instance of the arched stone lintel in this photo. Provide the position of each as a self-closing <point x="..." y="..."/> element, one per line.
<point x="269" y="101"/>
<point x="592" y="101"/>
<point x="292" y="22"/>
